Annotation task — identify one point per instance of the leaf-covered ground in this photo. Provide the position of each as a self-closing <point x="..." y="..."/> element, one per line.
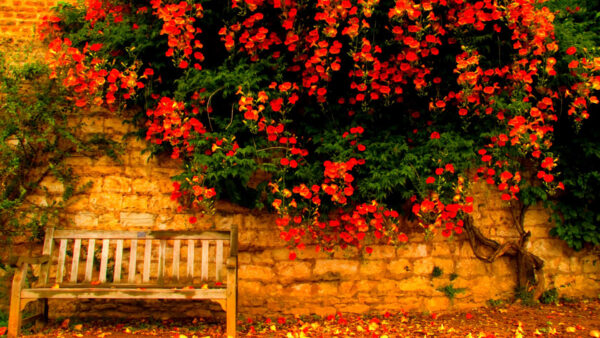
<point x="576" y="319"/>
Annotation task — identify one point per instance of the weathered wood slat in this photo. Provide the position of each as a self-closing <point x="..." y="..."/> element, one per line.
<point x="104" y="260"/>
<point x="147" y="258"/>
<point x="156" y="293"/>
<point x="162" y="253"/>
<point x="218" y="260"/>
<point x="101" y="234"/>
<point x="132" y="261"/>
<point x="89" y="263"/>
<point x="62" y="253"/>
<point x="190" y="259"/>
<point x="48" y="243"/>
<point x="176" y="253"/>
<point x="118" y="261"/>
<point x="75" y="260"/>
<point x="204" y="266"/>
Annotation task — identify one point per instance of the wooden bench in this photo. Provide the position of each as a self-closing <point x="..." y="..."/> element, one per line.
<point x="156" y="275"/>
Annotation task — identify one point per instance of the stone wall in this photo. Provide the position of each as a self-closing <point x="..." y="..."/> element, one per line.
<point x="135" y="194"/>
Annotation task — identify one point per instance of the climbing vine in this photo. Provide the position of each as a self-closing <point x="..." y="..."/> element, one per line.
<point x="350" y="114"/>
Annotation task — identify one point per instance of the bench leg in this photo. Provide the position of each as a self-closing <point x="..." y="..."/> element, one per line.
<point x="231" y="302"/>
<point x="14" y="314"/>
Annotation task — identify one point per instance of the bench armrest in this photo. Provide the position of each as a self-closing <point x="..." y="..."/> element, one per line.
<point x="33" y="260"/>
<point x="231" y="262"/>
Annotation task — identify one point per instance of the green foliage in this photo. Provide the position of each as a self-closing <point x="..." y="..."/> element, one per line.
<point x="549" y="296"/>
<point x="495" y="302"/>
<point x="525" y="296"/>
<point x="437" y="272"/>
<point x="450" y="291"/>
<point x="36" y="139"/>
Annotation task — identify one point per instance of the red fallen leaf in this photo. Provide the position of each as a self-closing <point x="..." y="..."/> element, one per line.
<point x="65" y="323"/>
<point x="468" y="315"/>
<point x="96" y="282"/>
<point x="3" y="330"/>
<point x="434" y="315"/>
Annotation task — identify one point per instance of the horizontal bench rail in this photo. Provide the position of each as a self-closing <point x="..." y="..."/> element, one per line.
<point x="194" y="235"/>
<point x="157" y="293"/>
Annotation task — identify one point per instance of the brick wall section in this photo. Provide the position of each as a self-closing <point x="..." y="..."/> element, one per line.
<point x="134" y="194"/>
<point x="18" y="18"/>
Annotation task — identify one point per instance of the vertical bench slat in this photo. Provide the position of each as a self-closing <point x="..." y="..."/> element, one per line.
<point x="118" y="261"/>
<point x="205" y="245"/>
<point x="104" y="260"/>
<point x="176" y="252"/>
<point x="62" y="253"/>
<point x="75" y="261"/>
<point x="90" y="260"/>
<point x="48" y="243"/>
<point x="147" y="256"/>
<point x="190" y="259"/>
<point x="162" y="253"/>
<point x="218" y="260"/>
<point x="132" y="261"/>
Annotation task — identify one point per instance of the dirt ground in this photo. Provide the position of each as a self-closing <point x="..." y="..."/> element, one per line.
<point x="564" y="319"/>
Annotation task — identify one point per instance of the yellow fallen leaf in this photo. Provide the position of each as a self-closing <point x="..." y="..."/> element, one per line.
<point x="55" y="286"/>
<point x="360" y="328"/>
<point x="289" y="335"/>
<point x="182" y="336"/>
<point x="373" y="326"/>
<point x="127" y="330"/>
<point x="78" y="327"/>
<point x="204" y="286"/>
<point x="314" y="325"/>
<point x="571" y="329"/>
<point x="273" y="328"/>
<point x="595" y="333"/>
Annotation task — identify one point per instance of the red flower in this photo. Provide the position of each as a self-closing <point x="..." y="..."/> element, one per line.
<point x="571" y="50"/>
<point x="361" y="147"/>
<point x="292" y="256"/>
<point x="435" y="135"/>
<point x="193" y="219"/>
<point x="430" y="180"/>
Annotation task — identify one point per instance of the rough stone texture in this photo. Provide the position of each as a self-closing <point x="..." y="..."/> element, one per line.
<point x="135" y="194"/>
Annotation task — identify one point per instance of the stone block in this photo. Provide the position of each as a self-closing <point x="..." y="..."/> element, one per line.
<point x="116" y="184"/>
<point x="256" y="272"/>
<point x="85" y="220"/>
<point x="303" y="290"/>
<point x="293" y="271"/>
<point x="413" y="250"/>
<point x="535" y="217"/>
<point x="591" y="264"/>
<point x="355" y="308"/>
<point x="52" y="185"/>
<point x="382" y="252"/>
<point x="415" y="284"/>
<point x="110" y="220"/>
<point x="327" y="289"/>
<point x="335" y="269"/>
<point x="548" y="247"/>
<point x="324" y="311"/>
<point x="262" y="257"/>
<point x="400" y="267"/>
<point x="141" y="172"/>
<point x="146" y="186"/>
<point x="136" y="203"/>
<point x="372" y="269"/>
<point x="363" y="285"/>
<point x="137" y="219"/>
<point x="162" y="203"/>
<point x="91" y="125"/>
<point x="423" y="266"/>
<point x="471" y="267"/>
<point x="116" y="126"/>
<point x="504" y="266"/>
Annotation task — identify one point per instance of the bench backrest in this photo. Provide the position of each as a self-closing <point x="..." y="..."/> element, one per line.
<point x="179" y="258"/>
